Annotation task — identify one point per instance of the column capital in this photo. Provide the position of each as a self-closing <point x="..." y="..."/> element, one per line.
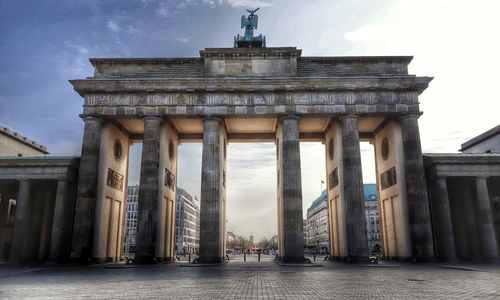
<point x="211" y="118"/>
<point x="348" y="116"/>
<point x="410" y="116"/>
<point x="90" y="118"/>
<point x="481" y="177"/>
<point x="285" y="117"/>
<point x="152" y="117"/>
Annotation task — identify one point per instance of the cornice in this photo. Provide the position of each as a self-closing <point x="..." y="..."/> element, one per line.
<point x="383" y="83"/>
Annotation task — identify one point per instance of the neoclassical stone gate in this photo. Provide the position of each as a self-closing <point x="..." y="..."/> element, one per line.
<point x="251" y="94"/>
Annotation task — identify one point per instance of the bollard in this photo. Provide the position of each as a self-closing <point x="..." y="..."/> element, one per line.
<point x="189" y="257"/>
<point x="259" y="257"/>
<point x="315" y="256"/>
<point x="244" y="256"/>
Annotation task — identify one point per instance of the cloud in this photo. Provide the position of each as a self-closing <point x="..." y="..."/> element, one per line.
<point x="168" y="8"/>
<point x="131" y="29"/>
<point x="248" y="3"/>
<point x="113" y="26"/>
<point x="183" y="40"/>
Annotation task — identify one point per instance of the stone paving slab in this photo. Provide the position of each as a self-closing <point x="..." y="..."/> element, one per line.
<point x="251" y="280"/>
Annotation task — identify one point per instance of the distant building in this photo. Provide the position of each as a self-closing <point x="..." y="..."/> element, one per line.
<point x="14" y="144"/>
<point x="305" y="230"/>
<point x="187" y="224"/>
<point x="131" y="220"/>
<point x="318" y="239"/>
<point x="231" y="238"/>
<point x="372" y="218"/>
<point x="273" y="242"/>
<point x="317" y="225"/>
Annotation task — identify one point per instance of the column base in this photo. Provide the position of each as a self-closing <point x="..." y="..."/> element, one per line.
<point x="350" y="259"/>
<point x="210" y="259"/>
<point x="293" y="259"/>
<point x="147" y="259"/>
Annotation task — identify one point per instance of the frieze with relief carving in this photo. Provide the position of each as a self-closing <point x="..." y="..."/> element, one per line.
<point x="234" y="98"/>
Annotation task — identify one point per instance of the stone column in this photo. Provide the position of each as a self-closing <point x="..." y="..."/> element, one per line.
<point x="416" y="189"/>
<point x="61" y="223"/>
<point x="4" y="211"/>
<point x="46" y="222"/>
<point x="291" y="191"/>
<point x="84" y="217"/>
<point x="357" y="244"/>
<point x="487" y="237"/>
<point x="211" y="201"/>
<point x="21" y="222"/>
<point x="441" y="216"/>
<point x="147" y="214"/>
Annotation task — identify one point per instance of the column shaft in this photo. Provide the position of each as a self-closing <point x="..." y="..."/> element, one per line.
<point x="21" y="222"/>
<point x="357" y="244"/>
<point x="487" y="237"/>
<point x="416" y="189"/>
<point x="84" y="218"/>
<point x="211" y="201"/>
<point x="4" y="210"/>
<point x="443" y="225"/>
<point x="291" y="192"/>
<point x="148" y="191"/>
<point x="60" y="226"/>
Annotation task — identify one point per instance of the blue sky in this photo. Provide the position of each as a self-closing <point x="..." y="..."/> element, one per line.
<point x="43" y="44"/>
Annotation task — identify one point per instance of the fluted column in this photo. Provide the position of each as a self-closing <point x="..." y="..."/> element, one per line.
<point x="443" y="225"/>
<point x="84" y="218"/>
<point x="291" y="191"/>
<point x="357" y="244"/>
<point x="21" y="223"/>
<point x="211" y="201"/>
<point x="416" y="188"/>
<point x="148" y="191"/>
<point x="487" y="237"/>
<point x="61" y="222"/>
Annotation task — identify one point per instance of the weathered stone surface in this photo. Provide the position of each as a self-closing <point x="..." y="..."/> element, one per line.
<point x="62" y="222"/>
<point x="416" y="188"/>
<point x="486" y="229"/>
<point x="212" y="209"/>
<point x="20" y="231"/>
<point x="357" y="245"/>
<point x="84" y="217"/>
<point x="148" y="191"/>
<point x="290" y="191"/>
<point x="443" y="225"/>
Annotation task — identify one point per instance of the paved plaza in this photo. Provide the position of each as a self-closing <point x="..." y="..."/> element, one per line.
<point x="252" y="280"/>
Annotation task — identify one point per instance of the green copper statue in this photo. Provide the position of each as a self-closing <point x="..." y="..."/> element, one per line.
<point x="248" y="40"/>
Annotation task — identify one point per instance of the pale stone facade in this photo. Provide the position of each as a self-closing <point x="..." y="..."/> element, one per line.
<point x="14" y="144"/>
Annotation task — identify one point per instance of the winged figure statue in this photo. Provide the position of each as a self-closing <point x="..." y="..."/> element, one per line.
<point x="248" y="39"/>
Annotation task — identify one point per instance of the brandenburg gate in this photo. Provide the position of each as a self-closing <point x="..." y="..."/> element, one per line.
<point x="250" y="93"/>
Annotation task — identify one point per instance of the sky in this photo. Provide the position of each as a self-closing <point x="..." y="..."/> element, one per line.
<point x="43" y="44"/>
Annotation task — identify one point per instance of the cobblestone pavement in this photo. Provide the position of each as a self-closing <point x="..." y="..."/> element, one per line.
<point x="252" y="280"/>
